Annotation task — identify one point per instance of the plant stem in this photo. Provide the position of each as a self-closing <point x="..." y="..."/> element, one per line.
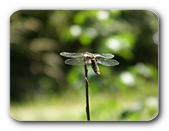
<point x="87" y="93"/>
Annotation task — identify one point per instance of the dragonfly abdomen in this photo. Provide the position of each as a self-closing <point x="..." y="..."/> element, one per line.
<point x="95" y="66"/>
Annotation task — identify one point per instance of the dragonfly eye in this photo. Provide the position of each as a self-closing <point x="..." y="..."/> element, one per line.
<point x="87" y="57"/>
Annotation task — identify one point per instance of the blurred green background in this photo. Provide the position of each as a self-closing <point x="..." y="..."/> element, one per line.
<point x="42" y="87"/>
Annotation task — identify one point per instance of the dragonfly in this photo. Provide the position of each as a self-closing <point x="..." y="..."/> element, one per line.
<point x="93" y="59"/>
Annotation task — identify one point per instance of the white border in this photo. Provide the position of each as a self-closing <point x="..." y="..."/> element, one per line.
<point x="7" y="7"/>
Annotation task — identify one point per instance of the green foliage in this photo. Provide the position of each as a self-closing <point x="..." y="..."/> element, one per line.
<point x="38" y="73"/>
<point x="132" y="104"/>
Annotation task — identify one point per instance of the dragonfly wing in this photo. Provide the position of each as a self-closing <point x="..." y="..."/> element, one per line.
<point x="107" y="62"/>
<point x="106" y="56"/>
<point x="72" y="55"/>
<point x="78" y="62"/>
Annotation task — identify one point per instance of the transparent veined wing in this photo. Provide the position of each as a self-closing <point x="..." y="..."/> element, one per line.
<point x="106" y="56"/>
<point x="78" y="62"/>
<point x="72" y="55"/>
<point x="107" y="62"/>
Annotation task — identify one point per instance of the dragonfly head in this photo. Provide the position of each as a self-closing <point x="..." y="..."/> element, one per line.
<point x="89" y="55"/>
